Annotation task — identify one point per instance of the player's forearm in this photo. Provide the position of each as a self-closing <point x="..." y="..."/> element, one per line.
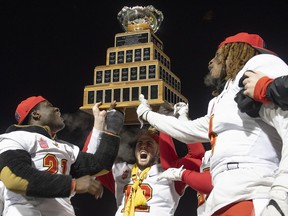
<point x="187" y="132"/>
<point x="19" y="176"/>
<point x="198" y="181"/>
<point x="108" y="150"/>
<point x="99" y="163"/>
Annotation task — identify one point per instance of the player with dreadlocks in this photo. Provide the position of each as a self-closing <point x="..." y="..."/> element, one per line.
<point x="245" y="151"/>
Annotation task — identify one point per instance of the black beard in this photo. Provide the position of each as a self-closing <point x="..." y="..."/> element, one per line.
<point x="151" y="162"/>
<point x="216" y="84"/>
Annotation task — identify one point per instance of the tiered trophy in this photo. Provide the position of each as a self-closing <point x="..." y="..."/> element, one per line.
<point x="135" y="65"/>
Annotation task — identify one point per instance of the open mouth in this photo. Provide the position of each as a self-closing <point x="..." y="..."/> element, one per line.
<point x="143" y="155"/>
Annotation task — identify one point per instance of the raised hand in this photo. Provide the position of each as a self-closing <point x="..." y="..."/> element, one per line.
<point x="143" y="109"/>
<point x="181" y="111"/>
<point x="114" y="121"/>
<point x="250" y="82"/>
<point x="174" y="174"/>
<point x="99" y="116"/>
<point x="89" y="184"/>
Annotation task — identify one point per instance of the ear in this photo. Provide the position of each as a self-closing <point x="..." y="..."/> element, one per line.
<point x="158" y="152"/>
<point x="35" y="115"/>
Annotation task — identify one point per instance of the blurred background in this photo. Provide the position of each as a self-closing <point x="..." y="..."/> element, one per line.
<point x="51" y="48"/>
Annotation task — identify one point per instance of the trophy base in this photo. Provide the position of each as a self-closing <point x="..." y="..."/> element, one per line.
<point x="131" y="117"/>
<point x="138" y="27"/>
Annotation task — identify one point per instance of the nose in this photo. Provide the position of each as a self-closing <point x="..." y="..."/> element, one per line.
<point x="210" y="64"/>
<point x="142" y="146"/>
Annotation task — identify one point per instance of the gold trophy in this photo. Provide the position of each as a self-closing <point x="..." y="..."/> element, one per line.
<point x="135" y="65"/>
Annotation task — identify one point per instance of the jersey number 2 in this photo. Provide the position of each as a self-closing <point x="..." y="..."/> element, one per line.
<point x="51" y="162"/>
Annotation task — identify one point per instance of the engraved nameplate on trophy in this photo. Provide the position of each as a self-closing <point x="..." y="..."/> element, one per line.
<point x="107" y="75"/>
<point x="112" y="58"/>
<point x="129" y="56"/>
<point x="131" y="39"/>
<point x="124" y="74"/>
<point x="116" y="75"/>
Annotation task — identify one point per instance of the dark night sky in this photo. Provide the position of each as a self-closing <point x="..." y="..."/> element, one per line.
<point x="51" y="48"/>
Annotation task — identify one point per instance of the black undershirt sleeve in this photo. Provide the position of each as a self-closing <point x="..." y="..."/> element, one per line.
<point x="277" y="92"/>
<point x="19" y="176"/>
<point x="99" y="163"/>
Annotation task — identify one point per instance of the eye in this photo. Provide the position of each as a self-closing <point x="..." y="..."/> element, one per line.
<point x="150" y="144"/>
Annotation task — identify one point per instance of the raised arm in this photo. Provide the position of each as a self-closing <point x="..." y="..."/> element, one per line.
<point x="190" y="131"/>
<point x="106" y="151"/>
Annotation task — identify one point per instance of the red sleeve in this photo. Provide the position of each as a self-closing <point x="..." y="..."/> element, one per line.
<point x="168" y="154"/>
<point x="260" y="89"/>
<point x="169" y="157"/>
<point x="195" y="150"/>
<point x="85" y="147"/>
<point x="192" y="161"/>
<point x="108" y="181"/>
<point x="198" y="181"/>
<point x="180" y="187"/>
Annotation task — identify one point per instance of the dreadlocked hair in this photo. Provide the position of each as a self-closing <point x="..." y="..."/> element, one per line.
<point x="237" y="55"/>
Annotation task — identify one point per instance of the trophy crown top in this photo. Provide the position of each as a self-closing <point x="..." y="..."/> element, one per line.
<point x="139" y="18"/>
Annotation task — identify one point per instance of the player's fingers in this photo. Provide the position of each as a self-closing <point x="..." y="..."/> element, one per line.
<point x="245" y="81"/>
<point x="98" y="104"/>
<point x="141" y="97"/>
<point x="112" y="105"/>
<point x="96" y="188"/>
<point x="99" y="194"/>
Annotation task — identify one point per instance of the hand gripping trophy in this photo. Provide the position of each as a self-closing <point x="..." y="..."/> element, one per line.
<point x="135" y="65"/>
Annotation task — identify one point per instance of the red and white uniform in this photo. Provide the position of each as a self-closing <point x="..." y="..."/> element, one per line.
<point x="162" y="196"/>
<point x="31" y="157"/>
<point x="196" y="163"/>
<point x="46" y="154"/>
<point x="245" y="150"/>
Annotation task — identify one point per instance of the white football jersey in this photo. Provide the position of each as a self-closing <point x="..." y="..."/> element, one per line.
<point x="162" y="198"/>
<point x="248" y="147"/>
<point x="2" y="188"/>
<point x="47" y="155"/>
